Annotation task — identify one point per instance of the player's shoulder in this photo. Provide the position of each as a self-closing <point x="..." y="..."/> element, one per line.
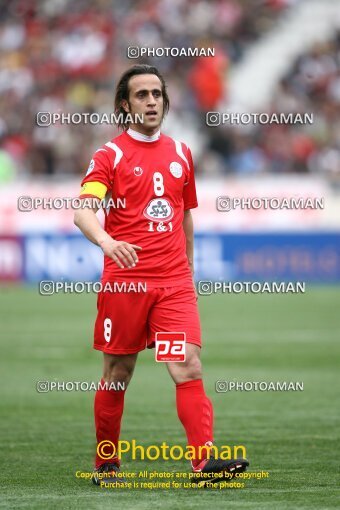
<point x="180" y="148"/>
<point x="111" y="150"/>
<point x="174" y="142"/>
<point x="115" y="144"/>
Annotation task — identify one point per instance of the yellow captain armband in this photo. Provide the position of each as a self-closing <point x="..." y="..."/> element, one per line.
<point x="97" y="189"/>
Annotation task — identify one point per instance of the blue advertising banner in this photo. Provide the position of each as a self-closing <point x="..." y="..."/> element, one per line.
<point x="61" y="257"/>
<point x="314" y="258"/>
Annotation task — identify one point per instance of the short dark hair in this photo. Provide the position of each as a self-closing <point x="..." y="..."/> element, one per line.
<point x="122" y="91"/>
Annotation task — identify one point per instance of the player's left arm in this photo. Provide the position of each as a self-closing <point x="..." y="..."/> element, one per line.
<point x="188" y="227"/>
<point x="190" y="202"/>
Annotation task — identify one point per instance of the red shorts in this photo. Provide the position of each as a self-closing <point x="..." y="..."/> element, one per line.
<point x="127" y="322"/>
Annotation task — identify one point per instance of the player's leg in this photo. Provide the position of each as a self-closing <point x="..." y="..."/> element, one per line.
<point x="177" y="311"/>
<point x="195" y="412"/>
<point x="119" y="368"/>
<point x="120" y="333"/>
<point x="188" y="370"/>
<point x="109" y="403"/>
<point x="194" y="408"/>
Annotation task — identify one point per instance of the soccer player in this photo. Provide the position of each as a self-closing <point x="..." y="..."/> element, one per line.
<point x="151" y="241"/>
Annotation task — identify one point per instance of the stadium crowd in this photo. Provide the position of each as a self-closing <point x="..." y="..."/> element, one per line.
<point x="64" y="56"/>
<point x="311" y="85"/>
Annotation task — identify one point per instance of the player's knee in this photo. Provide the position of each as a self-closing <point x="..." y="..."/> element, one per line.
<point x="118" y="374"/>
<point x="194" y="368"/>
<point x="188" y="371"/>
<point x="118" y="371"/>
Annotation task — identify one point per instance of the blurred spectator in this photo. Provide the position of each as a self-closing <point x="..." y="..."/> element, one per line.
<point x="207" y="80"/>
<point x="65" y="55"/>
<point x="312" y="85"/>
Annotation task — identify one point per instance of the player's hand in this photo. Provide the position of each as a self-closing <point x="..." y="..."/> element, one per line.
<point x="122" y="253"/>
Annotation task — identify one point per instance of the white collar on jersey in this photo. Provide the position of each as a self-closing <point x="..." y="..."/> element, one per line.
<point x="143" y="138"/>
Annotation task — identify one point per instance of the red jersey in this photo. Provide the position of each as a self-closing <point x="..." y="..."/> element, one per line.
<point x="151" y="185"/>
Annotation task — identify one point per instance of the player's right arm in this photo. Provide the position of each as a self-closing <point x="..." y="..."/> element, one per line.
<point x="94" y="187"/>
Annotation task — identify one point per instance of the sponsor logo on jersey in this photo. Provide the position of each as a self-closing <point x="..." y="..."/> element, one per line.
<point x="91" y="166"/>
<point x="159" y="209"/>
<point x="138" y="171"/>
<point x="176" y="169"/>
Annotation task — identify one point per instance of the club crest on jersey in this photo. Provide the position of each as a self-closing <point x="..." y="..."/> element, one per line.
<point x="91" y="166"/>
<point x="137" y="171"/>
<point x="158" y="209"/>
<point x="176" y="169"/>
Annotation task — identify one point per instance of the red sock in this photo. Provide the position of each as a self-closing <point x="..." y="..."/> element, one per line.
<point x="108" y="411"/>
<point x="195" y="411"/>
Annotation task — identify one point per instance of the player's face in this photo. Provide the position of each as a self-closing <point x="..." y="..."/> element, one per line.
<point x="145" y="98"/>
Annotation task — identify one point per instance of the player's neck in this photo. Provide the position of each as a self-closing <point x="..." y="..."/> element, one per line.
<point x="141" y="137"/>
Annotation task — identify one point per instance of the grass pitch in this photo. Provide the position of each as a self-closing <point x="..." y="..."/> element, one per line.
<point x="47" y="437"/>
